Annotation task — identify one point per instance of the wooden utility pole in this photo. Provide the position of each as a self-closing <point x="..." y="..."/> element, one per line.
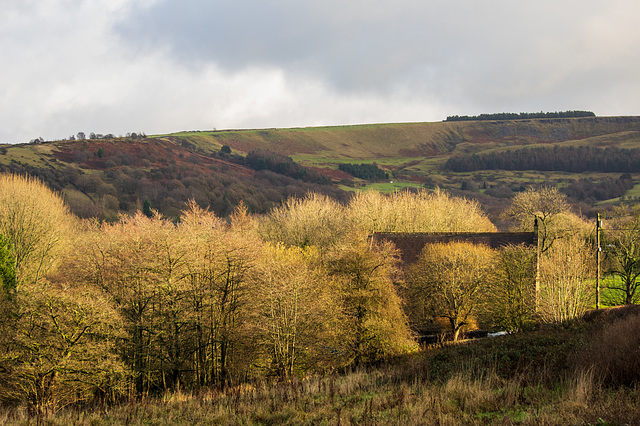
<point x="536" y="236"/>
<point x="598" y="251"/>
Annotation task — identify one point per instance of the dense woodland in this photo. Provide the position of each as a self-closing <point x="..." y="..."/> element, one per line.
<point x="520" y="116"/>
<point x="114" y="310"/>
<point x="364" y="171"/>
<point x="588" y="190"/>
<point x="557" y="158"/>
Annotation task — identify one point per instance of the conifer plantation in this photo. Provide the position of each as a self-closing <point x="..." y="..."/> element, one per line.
<point x="294" y="316"/>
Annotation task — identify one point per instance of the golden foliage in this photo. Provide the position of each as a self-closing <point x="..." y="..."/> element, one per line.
<point x="37" y="223"/>
<point x="422" y="211"/>
<point x="375" y="325"/>
<point x="299" y="316"/>
<point x="220" y="292"/>
<point x="320" y="221"/>
<point x="565" y="271"/>
<point x="451" y="280"/>
<point x="313" y="220"/>
<point x="60" y="348"/>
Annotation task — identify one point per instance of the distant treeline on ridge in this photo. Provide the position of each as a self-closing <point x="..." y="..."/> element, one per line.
<point x="557" y="158"/>
<point x="520" y="116"/>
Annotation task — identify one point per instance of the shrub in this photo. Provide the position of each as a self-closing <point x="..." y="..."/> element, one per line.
<point x="613" y="352"/>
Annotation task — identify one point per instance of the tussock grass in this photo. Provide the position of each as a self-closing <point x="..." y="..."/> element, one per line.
<point x="614" y="351"/>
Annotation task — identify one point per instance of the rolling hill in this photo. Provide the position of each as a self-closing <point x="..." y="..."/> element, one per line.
<point x="102" y="177"/>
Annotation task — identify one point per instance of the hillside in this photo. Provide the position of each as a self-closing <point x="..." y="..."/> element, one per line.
<point x="101" y="177"/>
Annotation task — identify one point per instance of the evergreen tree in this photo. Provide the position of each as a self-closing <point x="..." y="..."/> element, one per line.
<point x="146" y="208"/>
<point x="7" y="265"/>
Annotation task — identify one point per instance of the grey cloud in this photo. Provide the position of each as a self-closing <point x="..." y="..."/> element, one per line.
<point x="233" y="33"/>
<point x="168" y="64"/>
<point x="438" y="48"/>
<point x="349" y="49"/>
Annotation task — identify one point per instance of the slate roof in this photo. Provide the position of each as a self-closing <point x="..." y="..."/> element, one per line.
<point x="410" y="245"/>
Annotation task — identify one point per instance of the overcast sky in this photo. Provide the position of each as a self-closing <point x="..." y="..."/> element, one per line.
<point x="157" y="66"/>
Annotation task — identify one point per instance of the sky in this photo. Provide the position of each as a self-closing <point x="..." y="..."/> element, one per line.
<point x="161" y="66"/>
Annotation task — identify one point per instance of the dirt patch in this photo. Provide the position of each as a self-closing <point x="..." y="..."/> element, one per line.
<point x="334" y="174"/>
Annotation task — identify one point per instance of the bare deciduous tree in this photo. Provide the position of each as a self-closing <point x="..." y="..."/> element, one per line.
<point x="622" y="254"/>
<point x="512" y="303"/>
<point x="565" y="270"/>
<point x="551" y="209"/>
<point x="451" y="280"/>
<point x="219" y="267"/>
<point x="299" y="316"/>
<point x="313" y="220"/>
<point x="422" y="211"/>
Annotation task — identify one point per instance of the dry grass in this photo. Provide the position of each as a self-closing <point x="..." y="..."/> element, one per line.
<point x="523" y="379"/>
<point x="373" y="397"/>
<point x="614" y="352"/>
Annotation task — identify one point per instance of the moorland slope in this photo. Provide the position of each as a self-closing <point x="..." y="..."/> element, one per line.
<point x="101" y="177"/>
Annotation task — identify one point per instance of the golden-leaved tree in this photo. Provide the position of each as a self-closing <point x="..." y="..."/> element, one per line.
<point x="57" y="335"/>
<point x="221" y="299"/>
<point x="36" y="222"/>
<point x="298" y="322"/>
<point x="61" y="348"/>
<point x="374" y="324"/>
<point x="451" y="280"/>
<point x="420" y="211"/>
<point x="135" y="263"/>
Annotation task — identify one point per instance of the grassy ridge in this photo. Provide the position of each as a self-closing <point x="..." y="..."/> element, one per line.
<point x="358" y="142"/>
<point x="426" y="139"/>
